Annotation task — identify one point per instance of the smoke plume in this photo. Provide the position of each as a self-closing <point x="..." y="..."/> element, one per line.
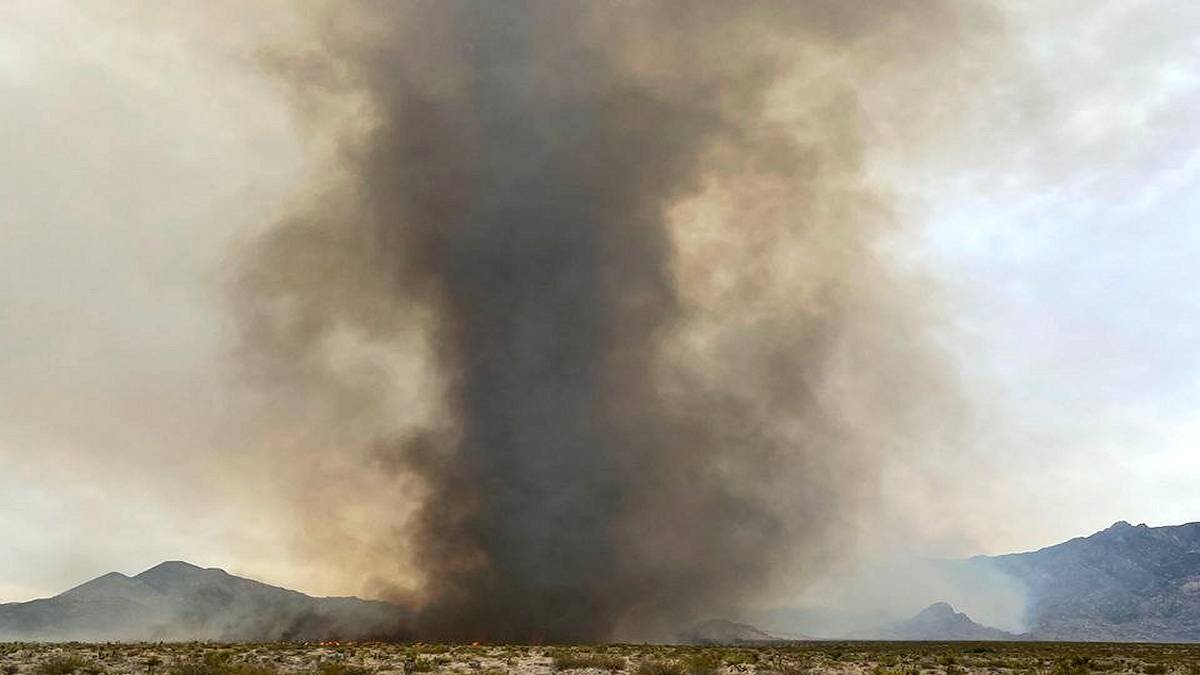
<point x="593" y="311"/>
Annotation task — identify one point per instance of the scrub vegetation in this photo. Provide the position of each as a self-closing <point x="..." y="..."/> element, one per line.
<point x="801" y="658"/>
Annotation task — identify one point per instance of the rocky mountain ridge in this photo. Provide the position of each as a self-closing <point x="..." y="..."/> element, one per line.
<point x="1124" y="583"/>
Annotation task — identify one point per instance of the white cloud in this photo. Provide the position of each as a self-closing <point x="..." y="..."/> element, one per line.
<point x="1069" y="252"/>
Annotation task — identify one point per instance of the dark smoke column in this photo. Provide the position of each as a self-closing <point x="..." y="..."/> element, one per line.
<point x="529" y="203"/>
<point x="514" y="183"/>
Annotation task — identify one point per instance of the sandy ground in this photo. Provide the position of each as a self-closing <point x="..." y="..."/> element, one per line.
<point x="812" y="658"/>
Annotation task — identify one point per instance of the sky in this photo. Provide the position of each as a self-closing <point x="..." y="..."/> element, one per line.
<point x="1060" y="220"/>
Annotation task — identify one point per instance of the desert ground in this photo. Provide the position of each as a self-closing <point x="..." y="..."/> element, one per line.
<point x="809" y="658"/>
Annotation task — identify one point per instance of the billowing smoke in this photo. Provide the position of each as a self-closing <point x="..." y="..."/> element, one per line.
<point x="596" y="305"/>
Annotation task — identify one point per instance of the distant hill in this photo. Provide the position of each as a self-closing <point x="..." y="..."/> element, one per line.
<point x="180" y="601"/>
<point x="939" y="621"/>
<point x="723" y="632"/>
<point x="1124" y="583"/>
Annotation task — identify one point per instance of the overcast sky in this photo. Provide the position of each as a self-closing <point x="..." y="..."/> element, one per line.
<point x="133" y="156"/>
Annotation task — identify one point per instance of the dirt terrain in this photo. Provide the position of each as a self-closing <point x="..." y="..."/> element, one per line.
<point x="809" y="658"/>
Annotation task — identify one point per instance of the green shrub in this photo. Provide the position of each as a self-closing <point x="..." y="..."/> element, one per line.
<point x="61" y="665"/>
<point x="220" y="663"/>
<point x="1073" y="665"/>
<point x="896" y="670"/>
<point x="659" y="667"/>
<point x="734" y="657"/>
<point x="334" y="668"/>
<point x="572" y="660"/>
<point x="784" y="669"/>
<point x="703" y="663"/>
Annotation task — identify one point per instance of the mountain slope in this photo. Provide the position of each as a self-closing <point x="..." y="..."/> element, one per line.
<point x="1123" y="583"/>
<point x="723" y="632"/>
<point x="180" y="601"/>
<point x="940" y="621"/>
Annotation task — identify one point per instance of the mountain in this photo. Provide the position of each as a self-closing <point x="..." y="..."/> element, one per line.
<point x="940" y="621"/>
<point x="1132" y="583"/>
<point x="1123" y="583"/>
<point x="180" y="601"/>
<point x="723" y="632"/>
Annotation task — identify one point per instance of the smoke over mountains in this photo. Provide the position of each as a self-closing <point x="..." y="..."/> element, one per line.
<point x="1125" y="583"/>
<point x="600" y="293"/>
<point x="177" y="601"/>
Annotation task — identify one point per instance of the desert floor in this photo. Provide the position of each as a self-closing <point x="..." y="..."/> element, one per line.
<point x="807" y="658"/>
